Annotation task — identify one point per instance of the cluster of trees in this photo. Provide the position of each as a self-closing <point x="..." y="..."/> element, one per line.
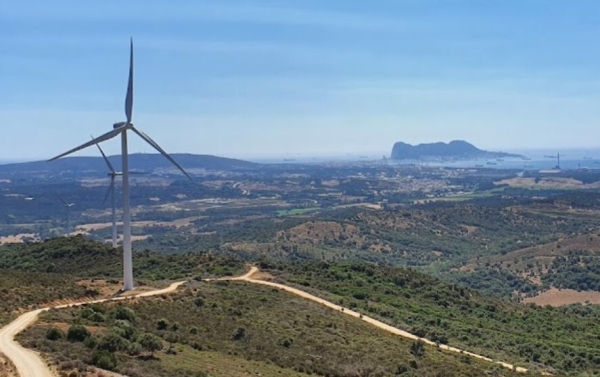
<point x="577" y="270"/>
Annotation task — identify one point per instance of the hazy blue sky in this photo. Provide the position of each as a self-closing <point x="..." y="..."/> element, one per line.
<point x="271" y="77"/>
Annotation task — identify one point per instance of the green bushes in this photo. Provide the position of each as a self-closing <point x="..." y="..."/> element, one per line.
<point x="151" y="343"/>
<point x="77" y="333"/>
<point x="113" y="343"/>
<point x="162" y="324"/>
<point x="124" y="313"/>
<point x="104" y="360"/>
<point x="54" y="334"/>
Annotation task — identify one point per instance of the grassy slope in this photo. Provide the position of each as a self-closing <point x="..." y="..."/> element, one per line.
<point x="571" y="262"/>
<point x="40" y="273"/>
<point x="24" y="290"/>
<point x="79" y="257"/>
<point x="279" y="331"/>
<point x="565" y="339"/>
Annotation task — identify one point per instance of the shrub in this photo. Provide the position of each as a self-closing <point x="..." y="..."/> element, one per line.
<point x="91" y="342"/>
<point x="54" y="334"/>
<point x="418" y="348"/>
<point x="135" y="349"/>
<point x="104" y="360"/>
<point x="77" y="333"/>
<point x="162" y="324"/>
<point x="199" y="301"/>
<point x="125" y="313"/>
<point x="97" y="317"/>
<point x="151" y="343"/>
<point x="113" y="343"/>
<point x="239" y="334"/>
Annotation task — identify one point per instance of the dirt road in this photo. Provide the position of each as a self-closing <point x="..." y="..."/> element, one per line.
<point x="248" y="278"/>
<point x="28" y="362"/>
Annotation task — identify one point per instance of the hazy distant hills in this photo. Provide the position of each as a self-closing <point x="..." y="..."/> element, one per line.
<point x="457" y="149"/>
<point x="142" y="162"/>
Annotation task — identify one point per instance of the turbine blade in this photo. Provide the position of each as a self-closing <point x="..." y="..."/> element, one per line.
<point x="159" y="149"/>
<point x="111" y="187"/>
<point x="129" y="96"/>
<point x="106" y="136"/>
<point x="110" y="167"/>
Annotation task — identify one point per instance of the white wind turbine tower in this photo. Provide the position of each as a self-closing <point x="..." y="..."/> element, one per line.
<point x="121" y="128"/>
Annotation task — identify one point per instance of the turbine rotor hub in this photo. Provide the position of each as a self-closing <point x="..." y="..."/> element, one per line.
<point x="120" y="125"/>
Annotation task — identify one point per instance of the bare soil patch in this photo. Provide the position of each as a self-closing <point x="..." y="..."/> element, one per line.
<point x="105" y="288"/>
<point x="262" y="276"/>
<point x="548" y="182"/>
<point x="139" y="224"/>
<point x="561" y="297"/>
<point x="19" y="238"/>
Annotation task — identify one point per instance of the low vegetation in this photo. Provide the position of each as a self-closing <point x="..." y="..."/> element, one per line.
<point x="83" y="258"/>
<point x="219" y="328"/>
<point x="560" y="339"/>
<point x="27" y="290"/>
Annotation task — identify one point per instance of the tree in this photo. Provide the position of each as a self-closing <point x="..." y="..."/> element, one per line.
<point x="125" y="313"/>
<point x="151" y="343"/>
<point x="54" y="334"/>
<point x="113" y="343"/>
<point x="77" y="333"/>
<point x="104" y="360"/>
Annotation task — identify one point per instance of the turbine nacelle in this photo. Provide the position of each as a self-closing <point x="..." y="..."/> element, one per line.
<point x="122" y="125"/>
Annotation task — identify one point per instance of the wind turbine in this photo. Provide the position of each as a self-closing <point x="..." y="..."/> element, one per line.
<point x="111" y="191"/>
<point x="121" y="128"/>
<point x="68" y="207"/>
<point x="113" y="174"/>
<point x="557" y="156"/>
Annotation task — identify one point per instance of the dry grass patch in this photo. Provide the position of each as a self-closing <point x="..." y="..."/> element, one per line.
<point x="562" y="297"/>
<point x="19" y="238"/>
<point x="221" y="365"/>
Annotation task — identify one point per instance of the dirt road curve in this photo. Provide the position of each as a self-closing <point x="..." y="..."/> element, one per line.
<point x="29" y="363"/>
<point x="248" y="278"/>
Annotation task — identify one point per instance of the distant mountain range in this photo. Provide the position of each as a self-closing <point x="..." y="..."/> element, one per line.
<point x="142" y="162"/>
<point x="457" y="150"/>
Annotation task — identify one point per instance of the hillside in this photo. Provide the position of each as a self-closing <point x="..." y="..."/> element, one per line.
<point x="568" y="263"/>
<point x="229" y="329"/>
<point x="81" y="258"/>
<point x="557" y="340"/>
<point x="139" y="161"/>
<point x="455" y="150"/>
<point x="211" y="326"/>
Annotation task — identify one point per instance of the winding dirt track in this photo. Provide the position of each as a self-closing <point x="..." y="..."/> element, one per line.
<point x="248" y="278"/>
<point x="28" y="362"/>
